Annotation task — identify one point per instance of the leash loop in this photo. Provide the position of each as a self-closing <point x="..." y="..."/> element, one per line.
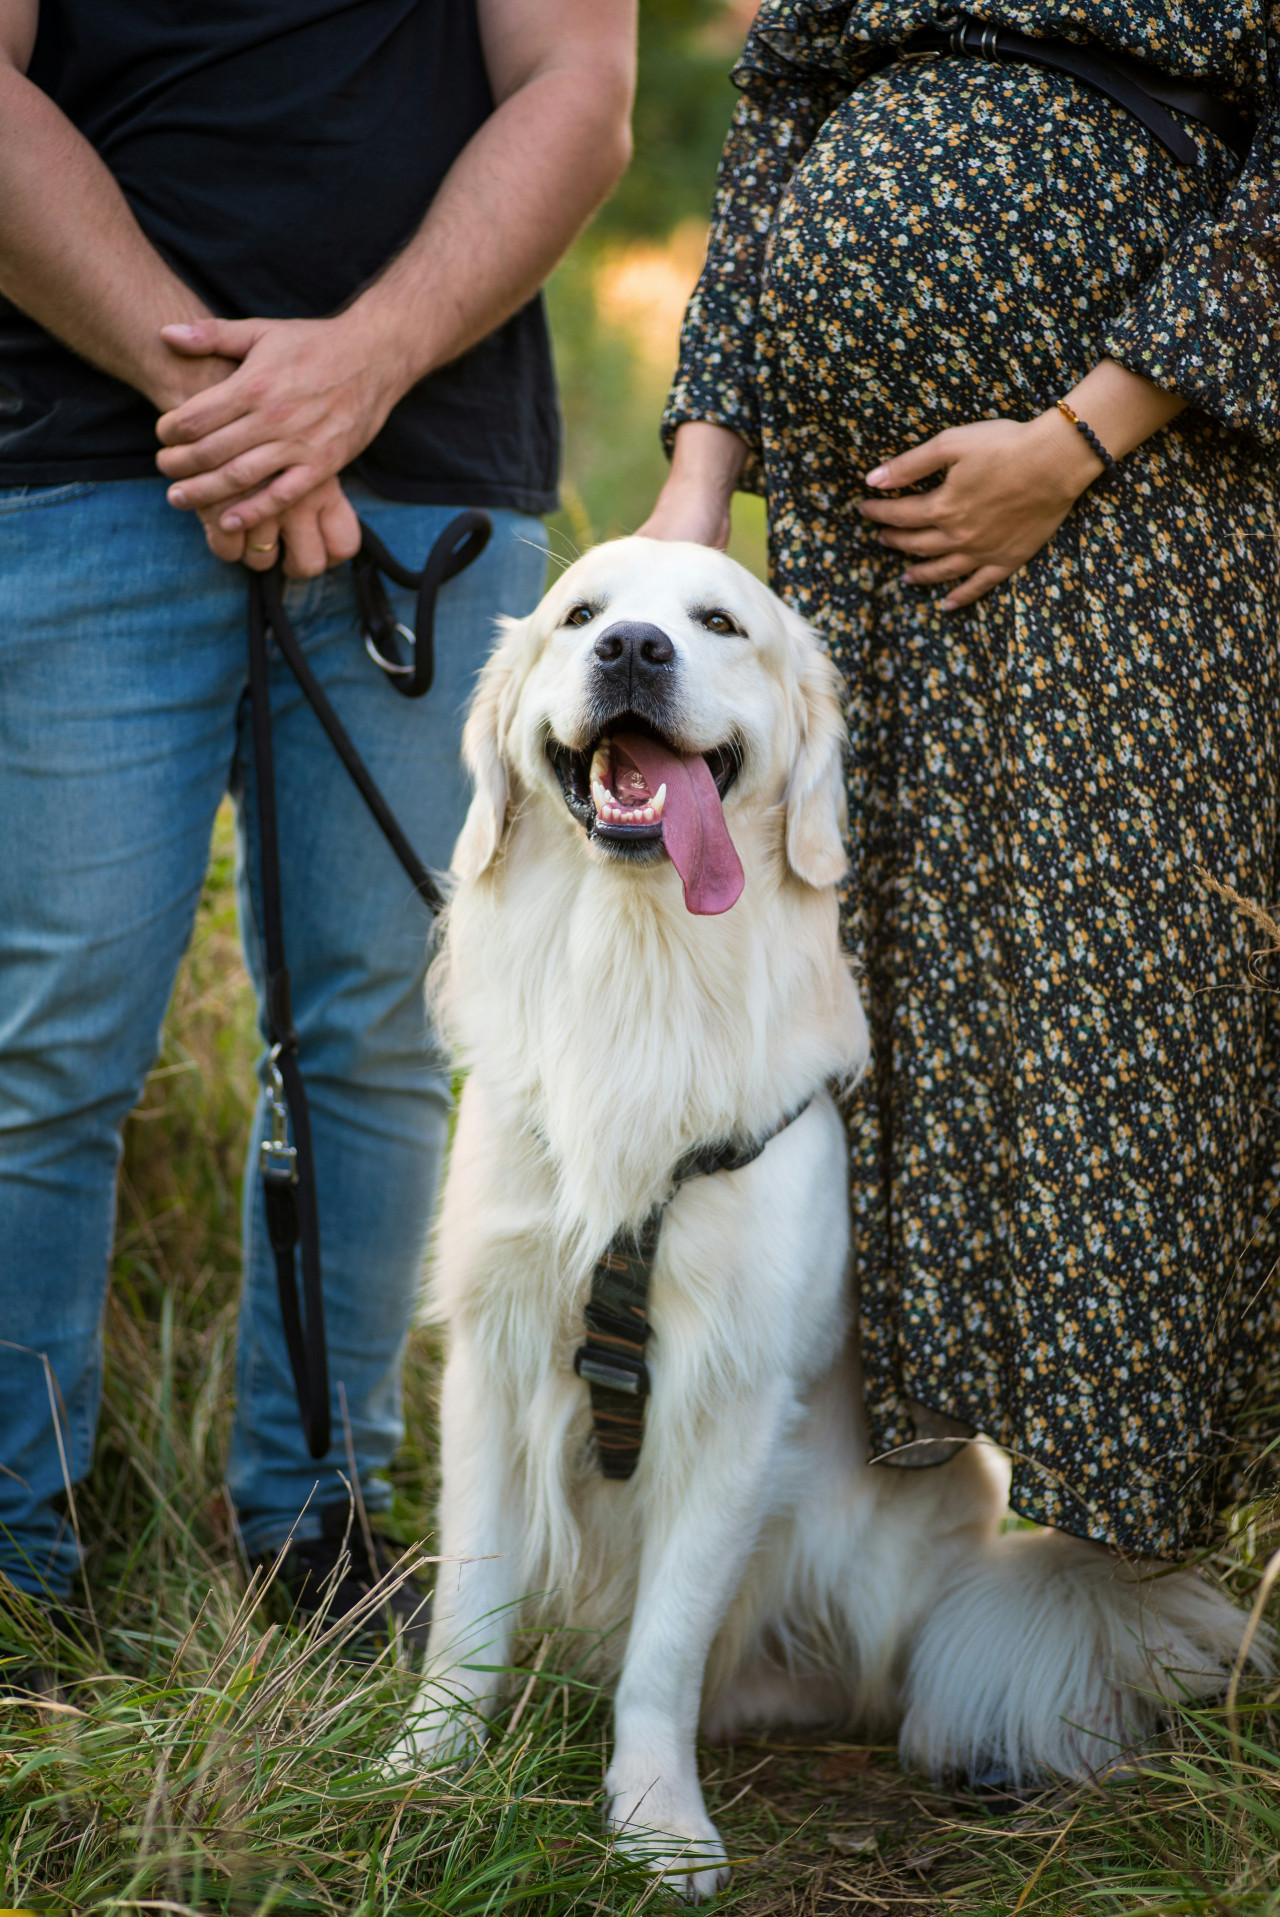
<point x="459" y="546"/>
<point x="286" y="1158"/>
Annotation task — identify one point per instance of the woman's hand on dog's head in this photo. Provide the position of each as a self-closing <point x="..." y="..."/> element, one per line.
<point x="706" y="462"/>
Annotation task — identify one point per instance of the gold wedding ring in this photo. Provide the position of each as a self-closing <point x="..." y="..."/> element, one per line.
<point x="255" y="545"/>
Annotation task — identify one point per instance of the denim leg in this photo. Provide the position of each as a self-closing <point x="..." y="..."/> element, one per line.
<point x="121" y="663"/>
<point x="356" y="940"/>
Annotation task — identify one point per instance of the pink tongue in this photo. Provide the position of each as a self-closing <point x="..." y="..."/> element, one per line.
<point x="693" y="829"/>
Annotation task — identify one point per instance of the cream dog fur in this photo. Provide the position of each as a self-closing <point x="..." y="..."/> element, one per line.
<point x="756" y="1570"/>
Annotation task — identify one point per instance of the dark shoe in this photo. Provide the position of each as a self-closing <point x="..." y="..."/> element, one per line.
<point x="25" y="1676"/>
<point x="28" y="1684"/>
<point x="333" y="1575"/>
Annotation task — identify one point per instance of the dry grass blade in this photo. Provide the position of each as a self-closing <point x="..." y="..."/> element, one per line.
<point x="1038" y="1872"/>
<point x="1257" y="1612"/>
<point x="1251" y="910"/>
<point x="527" y="1692"/>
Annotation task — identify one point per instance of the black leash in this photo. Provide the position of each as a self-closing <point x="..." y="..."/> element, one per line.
<point x="288" y="1168"/>
<point x="612" y="1360"/>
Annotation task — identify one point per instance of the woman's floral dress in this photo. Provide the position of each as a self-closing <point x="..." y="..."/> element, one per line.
<point x="1066" y="1158"/>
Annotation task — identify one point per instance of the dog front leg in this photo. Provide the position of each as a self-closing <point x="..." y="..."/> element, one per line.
<point x="699" y="1532"/>
<point x="477" y="1534"/>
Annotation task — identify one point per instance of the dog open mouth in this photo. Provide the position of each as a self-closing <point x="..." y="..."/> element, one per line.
<point x="639" y="797"/>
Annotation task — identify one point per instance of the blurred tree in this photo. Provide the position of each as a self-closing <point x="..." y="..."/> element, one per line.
<point x="616" y="300"/>
<point x="684" y="100"/>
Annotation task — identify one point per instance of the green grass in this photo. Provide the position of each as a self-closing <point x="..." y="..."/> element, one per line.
<point x="215" y="1762"/>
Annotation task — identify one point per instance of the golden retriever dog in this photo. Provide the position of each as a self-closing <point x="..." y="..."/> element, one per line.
<point x="641" y="963"/>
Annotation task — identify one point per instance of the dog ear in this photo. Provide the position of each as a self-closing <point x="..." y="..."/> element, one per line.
<point x="816" y="808"/>
<point x="484" y="755"/>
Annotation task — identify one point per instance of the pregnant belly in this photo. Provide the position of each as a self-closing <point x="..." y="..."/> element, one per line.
<point x="954" y="246"/>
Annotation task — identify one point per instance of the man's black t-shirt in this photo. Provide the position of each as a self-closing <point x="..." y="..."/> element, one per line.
<point x="278" y="153"/>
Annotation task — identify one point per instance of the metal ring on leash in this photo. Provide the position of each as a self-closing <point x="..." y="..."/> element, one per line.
<point x="392" y="665"/>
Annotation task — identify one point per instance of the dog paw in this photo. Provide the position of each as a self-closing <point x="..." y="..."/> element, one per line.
<point x="447" y="1739"/>
<point x="678" y="1843"/>
<point x="407" y="1758"/>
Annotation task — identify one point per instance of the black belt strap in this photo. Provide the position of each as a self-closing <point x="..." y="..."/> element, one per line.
<point x="612" y="1360"/>
<point x="288" y="1168"/>
<point x="1143" y="90"/>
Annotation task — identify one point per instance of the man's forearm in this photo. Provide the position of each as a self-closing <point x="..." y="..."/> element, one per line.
<point x="73" y="256"/>
<point x="310" y="395"/>
<point x="515" y="198"/>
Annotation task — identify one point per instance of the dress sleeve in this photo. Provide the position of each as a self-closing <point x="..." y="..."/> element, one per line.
<point x="1207" y="324"/>
<point x="773" y="127"/>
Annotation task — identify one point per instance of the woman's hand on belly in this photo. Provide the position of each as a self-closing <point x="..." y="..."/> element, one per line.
<point x="1008" y="488"/>
<point x="1008" y="484"/>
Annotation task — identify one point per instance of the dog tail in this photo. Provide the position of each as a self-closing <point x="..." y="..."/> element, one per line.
<point x="1046" y="1655"/>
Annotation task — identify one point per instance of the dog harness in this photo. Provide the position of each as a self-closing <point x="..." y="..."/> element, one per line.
<point x="612" y="1360"/>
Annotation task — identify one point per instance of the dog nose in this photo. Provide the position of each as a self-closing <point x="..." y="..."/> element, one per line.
<point x="634" y="652"/>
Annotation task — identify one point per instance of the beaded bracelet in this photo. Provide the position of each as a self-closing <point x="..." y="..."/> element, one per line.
<point x="1094" y="442"/>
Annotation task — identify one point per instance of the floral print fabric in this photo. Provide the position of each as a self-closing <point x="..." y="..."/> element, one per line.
<point x="1205" y="322"/>
<point x="1065" y="1155"/>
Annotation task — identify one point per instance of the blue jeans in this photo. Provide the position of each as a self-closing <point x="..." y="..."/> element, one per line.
<point x="123" y="722"/>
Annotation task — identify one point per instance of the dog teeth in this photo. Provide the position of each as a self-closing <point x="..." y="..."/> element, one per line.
<point x="611" y="813"/>
<point x="606" y="804"/>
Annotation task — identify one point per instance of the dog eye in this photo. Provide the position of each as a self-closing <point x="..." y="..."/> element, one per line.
<point x="718" y="621"/>
<point x="581" y="616"/>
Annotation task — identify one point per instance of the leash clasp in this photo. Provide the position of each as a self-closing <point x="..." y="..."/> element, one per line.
<point x="277" y="1158"/>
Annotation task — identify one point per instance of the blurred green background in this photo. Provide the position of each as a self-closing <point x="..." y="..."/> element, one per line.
<point x="617" y="300"/>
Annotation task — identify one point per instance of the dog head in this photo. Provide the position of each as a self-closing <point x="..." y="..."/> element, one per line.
<point x="660" y="698"/>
